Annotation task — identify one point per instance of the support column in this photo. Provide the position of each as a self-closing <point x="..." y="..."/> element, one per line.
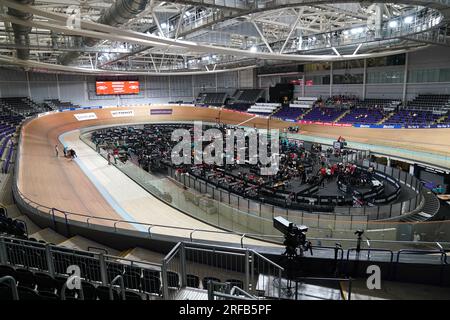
<point x="364" y="80"/>
<point x="58" y="90"/>
<point x="405" y="78"/>
<point x="28" y="84"/>
<point x="192" y="86"/>
<point x="86" y="88"/>
<point x="238" y="79"/>
<point x="170" y="91"/>
<point x="388" y="161"/>
<point x="145" y="88"/>
<point x="303" y="85"/>
<point x="183" y="265"/>
<point x="331" y="79"/>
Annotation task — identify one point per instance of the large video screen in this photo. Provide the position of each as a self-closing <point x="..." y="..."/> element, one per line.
<point x="116" y="87"/>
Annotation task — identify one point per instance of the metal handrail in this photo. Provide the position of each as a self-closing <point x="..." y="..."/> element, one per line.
<point x="443" y="253"/>
<point x="212" y="293"/>
<point x="339" y="249"/>
<point x="172" y="253"/>
<point x="441" y="248"/>
<point x="116" y="221"/>
<point x="433" y="243"/>
<point x="190" y="235"/>
<point x="391" y="253"/>
<point x="121" y="285"/>
<point x="242" y="240"/>
<point x="13" y="285"/>
<point x="368" y="251"/>
<point x="149" y="231"/>
<point x="74" y="252"/>
<point x="267" y="260"/>
<point x="239" y="290"/>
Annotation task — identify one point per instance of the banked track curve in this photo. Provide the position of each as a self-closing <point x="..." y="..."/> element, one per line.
<point x="58" y="183"/>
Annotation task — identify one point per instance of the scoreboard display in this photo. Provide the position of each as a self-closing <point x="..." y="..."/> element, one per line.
<point x="116" y="87"/>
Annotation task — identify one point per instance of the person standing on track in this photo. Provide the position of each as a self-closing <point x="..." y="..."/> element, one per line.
<point x="56" y="150"/>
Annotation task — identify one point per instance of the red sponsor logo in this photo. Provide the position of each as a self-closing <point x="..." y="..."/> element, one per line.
<point x="117" y="87"/>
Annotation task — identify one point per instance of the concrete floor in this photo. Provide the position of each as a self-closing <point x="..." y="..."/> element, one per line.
<point x="399" y="291"/>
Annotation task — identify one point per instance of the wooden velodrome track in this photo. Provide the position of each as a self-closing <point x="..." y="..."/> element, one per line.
<point x="59" y="183"/>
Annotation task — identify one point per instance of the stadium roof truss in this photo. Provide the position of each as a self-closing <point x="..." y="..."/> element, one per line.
<point x="204" y="36"/>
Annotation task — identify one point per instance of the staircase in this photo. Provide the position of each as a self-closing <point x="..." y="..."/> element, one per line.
<point x="141" y="254"/>
<point x="342" y="115"/>
<point x="386" y="118"/>
<point x="441" y="119"/>
<point x="81" y="243"/>
<point x="303" y="115"/>
<point x="276" y="110"/>
<point x="430" y="208"/>
<point x="49" y="236"/>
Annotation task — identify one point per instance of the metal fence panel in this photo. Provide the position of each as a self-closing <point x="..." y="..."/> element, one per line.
<point x="396" y="209"/>
<point x="403" y="175"/>
<point x="384" y="211"/>
<point x="29" y="256"/>
<point x="389" y="171"/>
<point x="267" y="211"/>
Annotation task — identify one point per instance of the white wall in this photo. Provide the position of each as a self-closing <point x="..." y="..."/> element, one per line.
<point x="247" y="79"/>
<point x="162" y="89"/>
<point x="317" y="91"/>
<point x="430" y="58"/>
<point x="384" y="91"/>
<point x="153" y="89"/>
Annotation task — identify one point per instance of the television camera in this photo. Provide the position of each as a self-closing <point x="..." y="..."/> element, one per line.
<point x="294" y="237"/>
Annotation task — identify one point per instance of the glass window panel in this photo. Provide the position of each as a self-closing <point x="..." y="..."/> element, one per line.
<point x="424" y="75"/>
<point x="348" y="78"/>
<point x="386" y="76"/>
<point x="444" y="75"/>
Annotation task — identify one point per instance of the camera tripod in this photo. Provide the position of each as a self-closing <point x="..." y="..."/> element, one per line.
<point x="293" y="254"/>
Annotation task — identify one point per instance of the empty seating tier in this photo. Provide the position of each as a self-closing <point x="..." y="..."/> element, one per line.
<point x="363" y="115"/>
<point x="212" y="98"/>
<point x="430" y="102"/>
<point x="56" y="104"/>
<point x="20" y="106"/>
<point x="323" y="114"/>
<point x="413" y="118"/>
<point x="242" y="99"/>
<point x="290" y="113"/>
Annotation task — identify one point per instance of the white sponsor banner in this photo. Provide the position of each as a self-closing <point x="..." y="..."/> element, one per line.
<point x="122" y="113"/>
<point x="85" y="116"/>
<point x="46" y="113"/>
